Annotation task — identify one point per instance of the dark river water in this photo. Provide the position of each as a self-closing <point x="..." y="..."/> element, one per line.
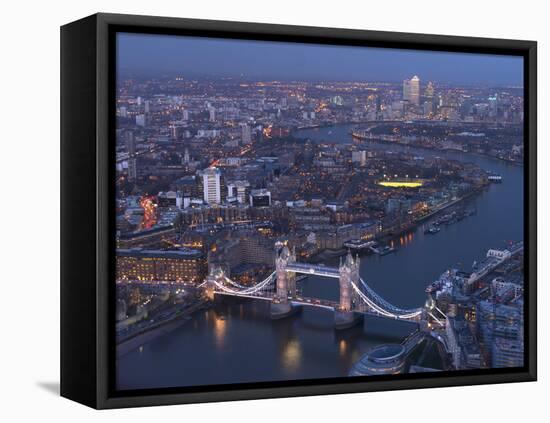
<point x="236" y="341"/>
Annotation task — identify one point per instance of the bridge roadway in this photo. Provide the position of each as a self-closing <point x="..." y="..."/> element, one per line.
<point x="299" y="300"/>
<point x="413" y="340"/>
<point x="312" y="302"/>
<point x="310" y="269"/>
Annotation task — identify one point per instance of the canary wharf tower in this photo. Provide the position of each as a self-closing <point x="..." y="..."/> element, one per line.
<point x="411" y="90"/>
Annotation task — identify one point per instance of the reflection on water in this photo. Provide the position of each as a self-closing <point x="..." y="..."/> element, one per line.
<point x="342" y="347"/>
<point x="291" y="355"/>
<point x="406" y="239"/>
<point x="220" y="328"/>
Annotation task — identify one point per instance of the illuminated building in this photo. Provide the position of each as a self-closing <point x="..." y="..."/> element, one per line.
<point x="260" y="198"/>
<point x="181" y="265"/>
<point x="500" y="329"/>
<point x="463" y="344"/>
<point x="211" y="181"/>
<point x="388" y="359"/>
<point x="338" y="100"/>
<point x="359" y="157"/>
<point x="186" y="157"/>
<point x="507" y="353"/>
<point x="212" y="114"/>
<point x="130" y="143"/>
<point x="239" y="190"/>
<point x="493" y="105"/>
<point x="411" y="90"/>
<point x="167" y="199"/>
<point x="132" y="169"/>
<point x="140" y="120"/>
<point x="429" y="91"/>
<point x="188" y="186"/>
<point x="246" y="134"/>
<point x="247" y="252"/>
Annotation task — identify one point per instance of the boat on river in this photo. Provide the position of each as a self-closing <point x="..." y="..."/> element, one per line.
<point x="432" y="230"/>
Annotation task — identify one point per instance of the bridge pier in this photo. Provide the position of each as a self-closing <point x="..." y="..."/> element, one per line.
<point x="280" y="310"/>
<point x="346" y="319"/>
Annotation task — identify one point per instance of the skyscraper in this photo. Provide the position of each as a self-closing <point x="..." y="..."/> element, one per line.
<point x="429" y="91"/>
<point x="246" y="134"/>
<point x="429" y="102"/>
<point x="211" y="114"/>
<point x="211" y="181"/>
<point x="130" y="144"/>
<point x="186" y="157"/>
<point x="132" y="161"/>
<point x="240" y="190"/>
<point x="132" y="169"/>
<point x="411" y="90"/>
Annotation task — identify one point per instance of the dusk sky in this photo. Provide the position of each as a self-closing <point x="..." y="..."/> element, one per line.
<point x="155" y="55"/>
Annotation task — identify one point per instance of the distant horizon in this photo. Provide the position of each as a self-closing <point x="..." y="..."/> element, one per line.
<point x="198" y="77"/>
<point x="158" y="56"/>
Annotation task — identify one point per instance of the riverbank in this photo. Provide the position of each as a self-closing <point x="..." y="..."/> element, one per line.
<point x="158" y="329"/>
<point x="447" y="205"/>
<point x="394" y="235"/>
<point x="432" y="149"/>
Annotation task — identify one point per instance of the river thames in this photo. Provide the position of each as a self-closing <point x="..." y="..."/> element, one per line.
<point x="237" y="342"/>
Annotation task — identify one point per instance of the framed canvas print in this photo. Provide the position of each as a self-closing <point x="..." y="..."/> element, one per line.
<point x="255" y="211"/>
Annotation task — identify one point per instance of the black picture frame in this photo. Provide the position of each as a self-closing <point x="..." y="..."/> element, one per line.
<point x="87" y="212"/>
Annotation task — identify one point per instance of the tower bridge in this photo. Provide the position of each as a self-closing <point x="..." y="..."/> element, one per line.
<point x="356" y="297"/>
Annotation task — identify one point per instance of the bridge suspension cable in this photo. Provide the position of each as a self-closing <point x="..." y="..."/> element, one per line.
<point x="381" y="306"/>
<point x="245" y="290"/>
<point x="235" y="284"/>
<point x="385" y="304"/>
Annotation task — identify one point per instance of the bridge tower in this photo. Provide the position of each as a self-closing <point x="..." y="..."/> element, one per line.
<point x="349" y="272"/>
<point x="282" y="278"/>
<point x="280" y="306"/>
<point x="344" y="316"/>
<point x="215" y="274"/>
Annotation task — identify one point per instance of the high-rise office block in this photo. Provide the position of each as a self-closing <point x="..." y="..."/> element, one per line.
<point x="130" y="144"/>
<point x="240" y="190"/>
<point x="132" y="169"/>
<point x="411" y="90"/>
<point x="260" y="198"/>
<point x="211" y="114"/>
<point x="186" y="157"/>
<point x="246" y="133"/>
<point x="429" y="91"/>
<point x="211" y="181"/>
<point x="141" y="120"/>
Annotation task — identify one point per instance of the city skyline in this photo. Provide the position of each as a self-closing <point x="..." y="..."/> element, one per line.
<point x="210" y="57"/>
